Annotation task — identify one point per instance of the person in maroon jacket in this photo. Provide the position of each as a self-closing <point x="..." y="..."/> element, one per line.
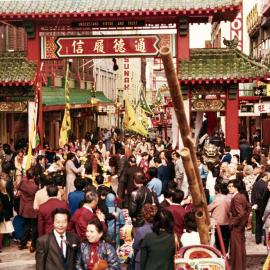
<point x="240" y="210"/>
<point x="45" y="218"/>
<point x="177" y="211"/>
<point x="87" y="212"/>
<point x="27" y="189"/>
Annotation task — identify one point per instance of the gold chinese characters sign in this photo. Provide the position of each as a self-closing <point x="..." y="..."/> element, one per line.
<point x="99" y="46"/>
<point x="13" y="106"/>
<point x="207" y="105"/>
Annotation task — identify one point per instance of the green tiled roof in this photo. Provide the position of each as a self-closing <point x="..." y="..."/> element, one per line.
<point x="15" y="68"/>
<point x="56" y="96"/>
<point x="220" y="64"/>
<point x="107" y="6"/>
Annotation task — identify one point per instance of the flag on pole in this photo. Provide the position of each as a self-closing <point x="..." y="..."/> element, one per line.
<point x="144" y="119"/>
<point x="131" y="121"/>
<point x="158" y="96"/>
<point x="142" y="102"/>
<point x="66" y="123"/>
<point x="33" y="136"/>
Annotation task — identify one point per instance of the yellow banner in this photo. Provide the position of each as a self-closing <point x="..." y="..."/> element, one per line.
<point x="66" y="123"/>
<point x="131" y="121"/>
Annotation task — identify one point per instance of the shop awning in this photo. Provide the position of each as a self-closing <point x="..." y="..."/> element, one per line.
<point x="55" y="97"/>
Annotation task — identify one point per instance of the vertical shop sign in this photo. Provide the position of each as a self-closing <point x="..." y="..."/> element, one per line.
<point x="236" y="29"/>
<point x="126" y="74"/>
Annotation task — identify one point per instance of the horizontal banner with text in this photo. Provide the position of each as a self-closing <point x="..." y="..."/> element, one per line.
<point x="99" y="46"/>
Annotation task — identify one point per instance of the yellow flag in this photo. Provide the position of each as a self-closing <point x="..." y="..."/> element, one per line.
<point x="266" y="265"/>
<point x="268" y="89"/>
<point x="66" y="123"/>
<point x="29" y="152"/>
<point x="144" y="119"/>
<point x="131" y="121"/>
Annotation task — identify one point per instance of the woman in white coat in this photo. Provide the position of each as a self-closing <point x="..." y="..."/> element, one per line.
<point x="71" y="172"/>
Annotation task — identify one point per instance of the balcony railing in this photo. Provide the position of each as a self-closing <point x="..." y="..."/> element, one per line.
<point x="266" y="7"/>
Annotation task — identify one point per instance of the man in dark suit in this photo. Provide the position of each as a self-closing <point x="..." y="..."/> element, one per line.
<point x="257" y="199"/>
<point x="240" y="210"/>
<point x="227" y="157"/>
<point x="122" y="162"/>
<point x="126" y="183"/>
<point x="245" y="150"/>
<point x="57" y="250"/>
<point x="76" y="160"/>
<point x="45" y="219"/>
<point x="40" y="167"/>
<point x="163" y="173"/>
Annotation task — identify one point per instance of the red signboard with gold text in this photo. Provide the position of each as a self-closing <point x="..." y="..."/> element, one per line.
<point x="99" y="46"/>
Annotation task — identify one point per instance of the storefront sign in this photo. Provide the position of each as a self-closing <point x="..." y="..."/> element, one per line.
<point x="13" y="106"/>
<point x="253" y="18"/>
<point x="107" y="109"/>
<point x="247" y="108"/>
<point x="262" y="107"/>
<point x="99" y="46"/>
<point x="205" y="105"/>
<point x="93" y="24"/>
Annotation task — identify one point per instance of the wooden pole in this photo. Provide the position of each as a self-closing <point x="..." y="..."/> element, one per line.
<point x="197" y="196"/>
<point x="178" y="104"/>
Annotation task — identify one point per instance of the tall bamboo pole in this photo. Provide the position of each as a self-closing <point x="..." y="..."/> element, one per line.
<point x="201" y="214"/>
<point x="178" y="103"/>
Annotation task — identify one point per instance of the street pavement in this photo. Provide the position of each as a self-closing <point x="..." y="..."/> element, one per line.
<point x="14" y="259"/>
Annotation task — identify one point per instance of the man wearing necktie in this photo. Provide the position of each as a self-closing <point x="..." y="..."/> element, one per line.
<point x="57" y="249"/>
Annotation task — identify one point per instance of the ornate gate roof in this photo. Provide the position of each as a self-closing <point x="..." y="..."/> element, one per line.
<point x="35" y="9"/>
<point x="220" y="65"/>
<point x="16" y="70"/>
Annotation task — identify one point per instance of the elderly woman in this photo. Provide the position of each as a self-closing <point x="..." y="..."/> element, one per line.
<point x="158" y="247"/>
<point x="249" y="178"/>
<point x="95" y="253"/>
<point x="148" y="212"/>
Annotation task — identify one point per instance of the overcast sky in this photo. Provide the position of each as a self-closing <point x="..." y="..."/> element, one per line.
<point x="199" y="33"/>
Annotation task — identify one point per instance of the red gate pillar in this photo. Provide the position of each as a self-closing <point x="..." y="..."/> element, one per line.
<point x="33" y="41"/>
<point x="231" y="121"/>
<point x="182" y="53"/>
<point x="182" y="40"/>
<point x="33" y="54"/>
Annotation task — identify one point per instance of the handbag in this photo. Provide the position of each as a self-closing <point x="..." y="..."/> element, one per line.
<point x="101" y="265"/>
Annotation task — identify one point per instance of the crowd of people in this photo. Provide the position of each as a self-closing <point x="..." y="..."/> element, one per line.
<point x="68" y="206"/>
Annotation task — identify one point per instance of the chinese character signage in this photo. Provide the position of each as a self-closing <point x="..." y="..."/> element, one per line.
<point x="101" y="46"/>
<point x="262" y="108"/>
